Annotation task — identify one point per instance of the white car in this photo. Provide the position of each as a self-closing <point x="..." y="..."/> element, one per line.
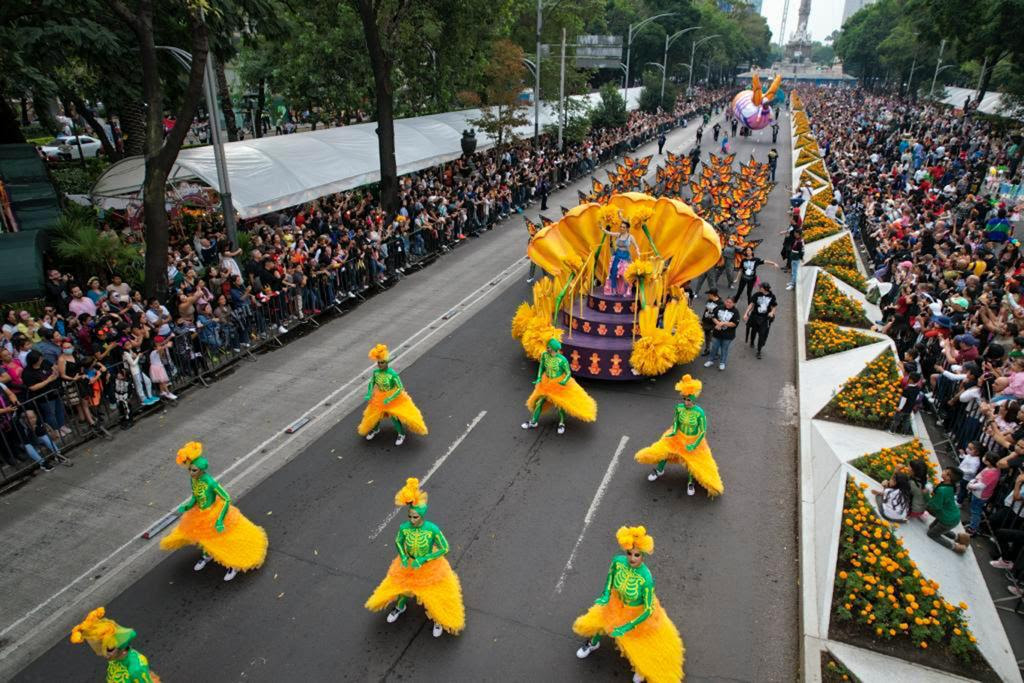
<point x="64" y="147"/>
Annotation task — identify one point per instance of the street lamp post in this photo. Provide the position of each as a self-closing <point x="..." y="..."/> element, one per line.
<point x="664" y="63"/>
<point x="913" y="66"/>
<point x="938" y="63"/>
<point x="693" y="52"/>
<point x="216" y="139"/>
<point x="561" y="93"/>
<point x="941" y="69"/>
<point x="536" y="79"/>
<point x="633" y="30"/>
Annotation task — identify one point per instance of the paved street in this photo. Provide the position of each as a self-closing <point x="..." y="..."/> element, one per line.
<point x="512" y="504"/>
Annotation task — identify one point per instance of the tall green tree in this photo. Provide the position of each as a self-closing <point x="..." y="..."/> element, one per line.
<point x="503" y="111"/>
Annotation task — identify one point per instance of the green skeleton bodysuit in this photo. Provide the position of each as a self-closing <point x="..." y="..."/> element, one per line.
<point x="418" y="545"/>
<point x="205" y="491"/>
<point x="132" y="668"/>
<point x="386" y="380"/>
<point x="691" y="422"/>
<point x="635" y="587"/>
<point x="553" y="366"/>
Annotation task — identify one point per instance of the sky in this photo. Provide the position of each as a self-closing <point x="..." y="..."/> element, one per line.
<point x="826" y="16"/>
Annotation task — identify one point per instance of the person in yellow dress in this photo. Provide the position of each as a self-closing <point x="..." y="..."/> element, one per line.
<point x="685" y="443"/>
<point x="387" y="397"/>
<point x="555" y="384"/>
<point x="112" y="642"/>
<point x="420" y="570"/>
<point x="628" y="611"/>
<point x="222" y="532"/>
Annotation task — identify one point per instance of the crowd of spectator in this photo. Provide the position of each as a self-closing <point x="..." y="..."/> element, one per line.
<point x="100" y="352"/>
<point x="932" y="193"/>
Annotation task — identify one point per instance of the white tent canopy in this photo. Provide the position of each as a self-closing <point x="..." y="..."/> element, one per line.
<point x="991" y="103"/>
<point x="272" y="173"/>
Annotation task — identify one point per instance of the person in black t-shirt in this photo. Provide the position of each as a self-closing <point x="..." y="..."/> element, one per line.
<point x="707" y="318"/>
<point x="908" y="399"/>
<point x="759" y="315"/>
<point x="726" y="318"/>
<point x="748" y="273"/>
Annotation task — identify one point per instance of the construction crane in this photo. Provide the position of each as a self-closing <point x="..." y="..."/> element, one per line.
<point x="782" y="29"/>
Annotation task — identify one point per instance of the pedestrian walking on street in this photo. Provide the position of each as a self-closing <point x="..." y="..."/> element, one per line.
<point x="760" y="315"/>
<point x="726" y="318"/>
<point x="387" y="397"/>
<point x="420" y="570"/>
<point x="661" y="142"/>
<point x="700" y="133"/>
<point x="543" y="189"/>
<point x="773" y="162"/>
<point x="685" y="443"/>
<point x="715" y="130"/>
<point x="628" y="612"/>
<point x="707" y="318"/>
<point x="734" y="124"/>
<point x="775" y="131"/>
<point x="725" y="144"/>
<point x="748" y="273"/>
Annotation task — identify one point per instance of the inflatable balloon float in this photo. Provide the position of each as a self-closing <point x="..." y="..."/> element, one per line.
<point x="753" y="107"/>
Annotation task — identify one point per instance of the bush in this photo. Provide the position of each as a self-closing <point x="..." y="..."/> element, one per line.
<point x="83" y="249"/>
<point x="72" y="178"/>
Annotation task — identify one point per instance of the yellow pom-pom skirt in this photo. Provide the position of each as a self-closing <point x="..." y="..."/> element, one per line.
<point x="242" y="545"/>
<point x="570" y="397"/>
<point x="402" y="409"/>
<point x="699" y="461"/>
<point x="654" y="648"/>
<point x="434" y="585"/>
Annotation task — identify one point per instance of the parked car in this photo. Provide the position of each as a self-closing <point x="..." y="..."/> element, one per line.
<point x="65" y="148"/>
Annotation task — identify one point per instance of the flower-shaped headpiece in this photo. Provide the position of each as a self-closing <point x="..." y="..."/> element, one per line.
<point x="635" y="537"/>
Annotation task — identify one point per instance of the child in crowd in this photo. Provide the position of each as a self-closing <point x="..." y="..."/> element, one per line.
<point x="942" y="506"/>
<point x="894" y="500"/>
<point x="122" y="390"/>
<point x="970" y="464"/>
<point x="920" y="489"/>
<point x="157" y="371"/>
<point x="143" y="385"/>
<point x="982" y="487"/>
<point x="908" y="401"/>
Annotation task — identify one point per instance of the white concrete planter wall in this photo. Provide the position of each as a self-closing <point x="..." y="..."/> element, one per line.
<point x="826" y="449"/>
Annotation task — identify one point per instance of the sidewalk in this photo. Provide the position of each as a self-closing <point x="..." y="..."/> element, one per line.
<point x="72" y="537"/>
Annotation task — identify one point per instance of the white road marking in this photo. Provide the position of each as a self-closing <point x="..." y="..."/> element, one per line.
<point x="594" y="504"/>
<point x="789" y="405"/>
<point x="433" y="468"/>
<point x="426" y="331"/>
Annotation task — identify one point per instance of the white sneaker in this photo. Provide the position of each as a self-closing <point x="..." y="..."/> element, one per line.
<point x="721" y="366"/>
<point x="395" y="613"/>
<point x="232" y="573"/>
<point x="586" y="649"/>
<point x="691" y="489"/>
<point x="437" y="630"/>
<point x="373" y="433"/>
<point x="637" y="678"/>
<point x="1001" y="564"/>
<point x="561" y="429"/>
<point x="281" y="329"/>
<point x="201" y="564"/>
<point x="789" y="285"/>
<point x="708" y="363"/>
<point x="173" y="397"/>
<point x="655" y="475"/>
<point x="529" y="425"/>
<point x="400" y="440"/>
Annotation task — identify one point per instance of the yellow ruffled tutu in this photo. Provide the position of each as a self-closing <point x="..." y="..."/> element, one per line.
<point x="434" y="585"/>
<point x="242" y="545"/>
<point x="401" y="408"/>
<point x="699" y="461"/>
<point x="570" y="397"/>
<point x="654" y="648"/>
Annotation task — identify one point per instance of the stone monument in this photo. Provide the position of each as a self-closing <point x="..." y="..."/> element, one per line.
<point x="798" y="49"/>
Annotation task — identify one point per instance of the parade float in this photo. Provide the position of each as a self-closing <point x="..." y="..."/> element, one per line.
<point x="641" y="327"/>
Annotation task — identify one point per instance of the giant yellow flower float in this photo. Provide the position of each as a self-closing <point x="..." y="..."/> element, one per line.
<point x="607" y="334"/>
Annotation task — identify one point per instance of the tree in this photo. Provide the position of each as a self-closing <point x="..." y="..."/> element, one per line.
<point x="161" y="150"/>
<point x="610" y="112"/>
<point x="650" y="97"/>
<point x="503" y="110"/>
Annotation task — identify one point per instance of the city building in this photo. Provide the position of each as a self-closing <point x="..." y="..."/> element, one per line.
<point x="853" y="6"/>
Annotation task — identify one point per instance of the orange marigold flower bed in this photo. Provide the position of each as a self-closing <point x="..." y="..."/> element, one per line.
<point x="870" y="397"/>
<point x="881" y="595"/>
<point x="805" y="156"/>
<point x="838" y="253"/>
<point x="818" y="169"/>
<point x="830" y="305"/>
<point x="823" y="197"/>
<point x="824" y="339"/>
<point x="817" y="225"/>
<point x="881" y="465"/>
<point x="833" y="671"/>
<point x="850" y="276"/>
<point x="814" y="181"/>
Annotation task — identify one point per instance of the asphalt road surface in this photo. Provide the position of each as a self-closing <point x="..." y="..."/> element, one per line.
<point x="513" y="505"/>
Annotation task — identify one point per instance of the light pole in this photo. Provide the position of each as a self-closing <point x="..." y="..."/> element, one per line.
<point x="213" y="109"/>
<point x="940" y="70"/>
<point x="633" y="30"/>
<point x="938" y="63"/>
<point x="913" y="66"/>
<point x="664" y="62"/>
<point x="561" y="93"/>
<point x="536" y="79"/>
<point x="693" y="52"/>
